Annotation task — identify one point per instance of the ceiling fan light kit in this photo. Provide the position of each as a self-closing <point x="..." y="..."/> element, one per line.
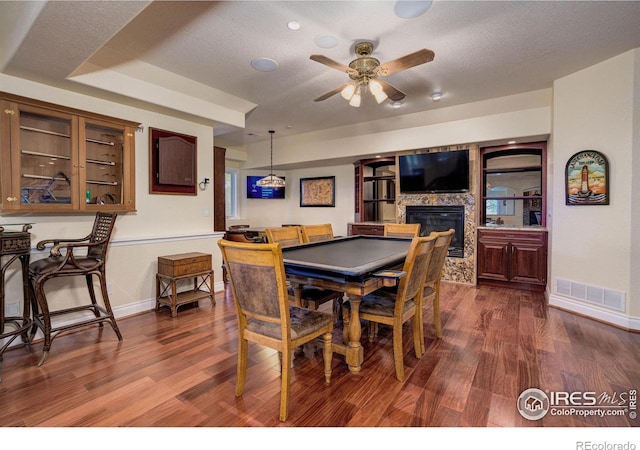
<point x="348" y="91"/>
<point x="271" y="180"/>
<point x="376" y="89"/>
<point x="365" y="70"/>
<point x="355" y="98"/>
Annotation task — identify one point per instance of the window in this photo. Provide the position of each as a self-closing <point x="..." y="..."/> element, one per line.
<point x="231" y="193"/>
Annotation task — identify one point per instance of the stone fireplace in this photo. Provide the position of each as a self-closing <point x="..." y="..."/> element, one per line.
<point x="455" y="211"/>
<point x="440" y="218"/>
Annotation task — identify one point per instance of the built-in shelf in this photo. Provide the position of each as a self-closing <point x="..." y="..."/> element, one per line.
<point x="375" y="190"/>
<point x="104" y="183"/>
<point x="46" y="155"/>
<point x="42" y="177"/>
<point x="96" y="141"/>
<point x="39" y="130"/>
<point x="103" y="163"/>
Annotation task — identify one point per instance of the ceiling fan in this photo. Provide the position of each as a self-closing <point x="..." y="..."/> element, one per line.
<point x="365" y="70"/>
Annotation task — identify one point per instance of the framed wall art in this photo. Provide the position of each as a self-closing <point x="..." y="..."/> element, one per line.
<point x="318" y="191"/>
<point x="587" y="179"/>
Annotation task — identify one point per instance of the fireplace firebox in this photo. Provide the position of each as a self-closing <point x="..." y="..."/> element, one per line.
<point x="440" y="218"/>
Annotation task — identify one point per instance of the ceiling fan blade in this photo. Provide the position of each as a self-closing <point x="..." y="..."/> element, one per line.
<point x="332" y="92"/>
<point x="331" y="63"/>
<point x="405" y="62"/>
<point x="394" y="94"/>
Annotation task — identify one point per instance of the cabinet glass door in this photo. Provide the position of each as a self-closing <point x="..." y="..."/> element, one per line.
<point x="45" y="146"/>
<point x="513" y="187"/>
<point x="104" y="166"/>
<point x="58" y="159"/>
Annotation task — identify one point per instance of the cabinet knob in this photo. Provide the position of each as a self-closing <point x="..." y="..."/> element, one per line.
<point x="12" y="199"/>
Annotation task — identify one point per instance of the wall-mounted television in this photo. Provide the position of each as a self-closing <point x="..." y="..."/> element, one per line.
<point x="434" y="172"/>
<point x="255" y="191"/>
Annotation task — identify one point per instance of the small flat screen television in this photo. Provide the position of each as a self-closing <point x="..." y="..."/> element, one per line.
<point x="434" y="172"/>
<point x="255" y="191"/>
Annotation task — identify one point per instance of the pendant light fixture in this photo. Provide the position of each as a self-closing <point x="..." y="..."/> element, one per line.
<point x="271" y="180"/>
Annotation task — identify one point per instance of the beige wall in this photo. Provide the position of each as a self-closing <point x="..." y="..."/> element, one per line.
<point x="597" y="108"/>
<point x="270" y="213"/>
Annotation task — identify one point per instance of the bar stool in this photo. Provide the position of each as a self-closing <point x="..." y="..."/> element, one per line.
<point x="64" y="261"/>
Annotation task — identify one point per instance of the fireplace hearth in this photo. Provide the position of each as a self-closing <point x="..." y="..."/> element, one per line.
<point x="440" y="218"/>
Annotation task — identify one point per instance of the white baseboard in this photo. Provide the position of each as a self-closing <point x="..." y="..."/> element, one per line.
<point x="118" y="311"/>
<point x="608" y="316"/>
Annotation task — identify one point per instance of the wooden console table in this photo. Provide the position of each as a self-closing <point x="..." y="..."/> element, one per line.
<point x="183" y="266"/>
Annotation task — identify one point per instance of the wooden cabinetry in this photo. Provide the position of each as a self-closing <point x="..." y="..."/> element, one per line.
<point x="375" y="187"/>
<point x="369" y="229"/>
<point x="58" y="159"/>
<point x="512" y="257"/>
<point x="173" y="269"/>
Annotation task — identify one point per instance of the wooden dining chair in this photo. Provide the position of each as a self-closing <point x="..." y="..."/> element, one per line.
<point x="265" y="317"/>
<point x="434" y="275"/>
<point x="311" y="297"/>
<point x="285" y="236"/>
<point x="396" y="308"/>
<point x="402" y="229"/>
<point x="84" y="257"/>
<point x="317" y="232"/>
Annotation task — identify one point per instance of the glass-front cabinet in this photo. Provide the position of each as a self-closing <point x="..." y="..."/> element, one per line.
<point x="513" y="185"/>
<point x="57" y="159"/>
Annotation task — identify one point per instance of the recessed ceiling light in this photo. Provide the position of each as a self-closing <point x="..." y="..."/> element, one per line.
<point x="396" y="105"/>
<point x="436" y="96"/>
<point x="326" y="41"/>
<point x="411" y="9"/>
<point x="264" y="64"/>
<point x="293" y="25"/>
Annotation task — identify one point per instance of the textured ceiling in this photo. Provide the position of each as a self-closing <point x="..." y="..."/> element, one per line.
<point x="203" y="49"/>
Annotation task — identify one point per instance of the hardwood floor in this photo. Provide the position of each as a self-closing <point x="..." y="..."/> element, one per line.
<point x="181" y="372"/>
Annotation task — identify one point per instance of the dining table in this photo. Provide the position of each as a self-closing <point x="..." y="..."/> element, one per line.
<point x="355" y="265"/>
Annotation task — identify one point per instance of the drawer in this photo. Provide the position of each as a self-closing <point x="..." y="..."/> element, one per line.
<point x="511" y="235"/>
<point x="184" y="264"/>
<point x="366" y="229"/>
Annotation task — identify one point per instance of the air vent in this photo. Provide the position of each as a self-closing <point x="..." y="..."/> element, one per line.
<point x="606" y="298"/>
